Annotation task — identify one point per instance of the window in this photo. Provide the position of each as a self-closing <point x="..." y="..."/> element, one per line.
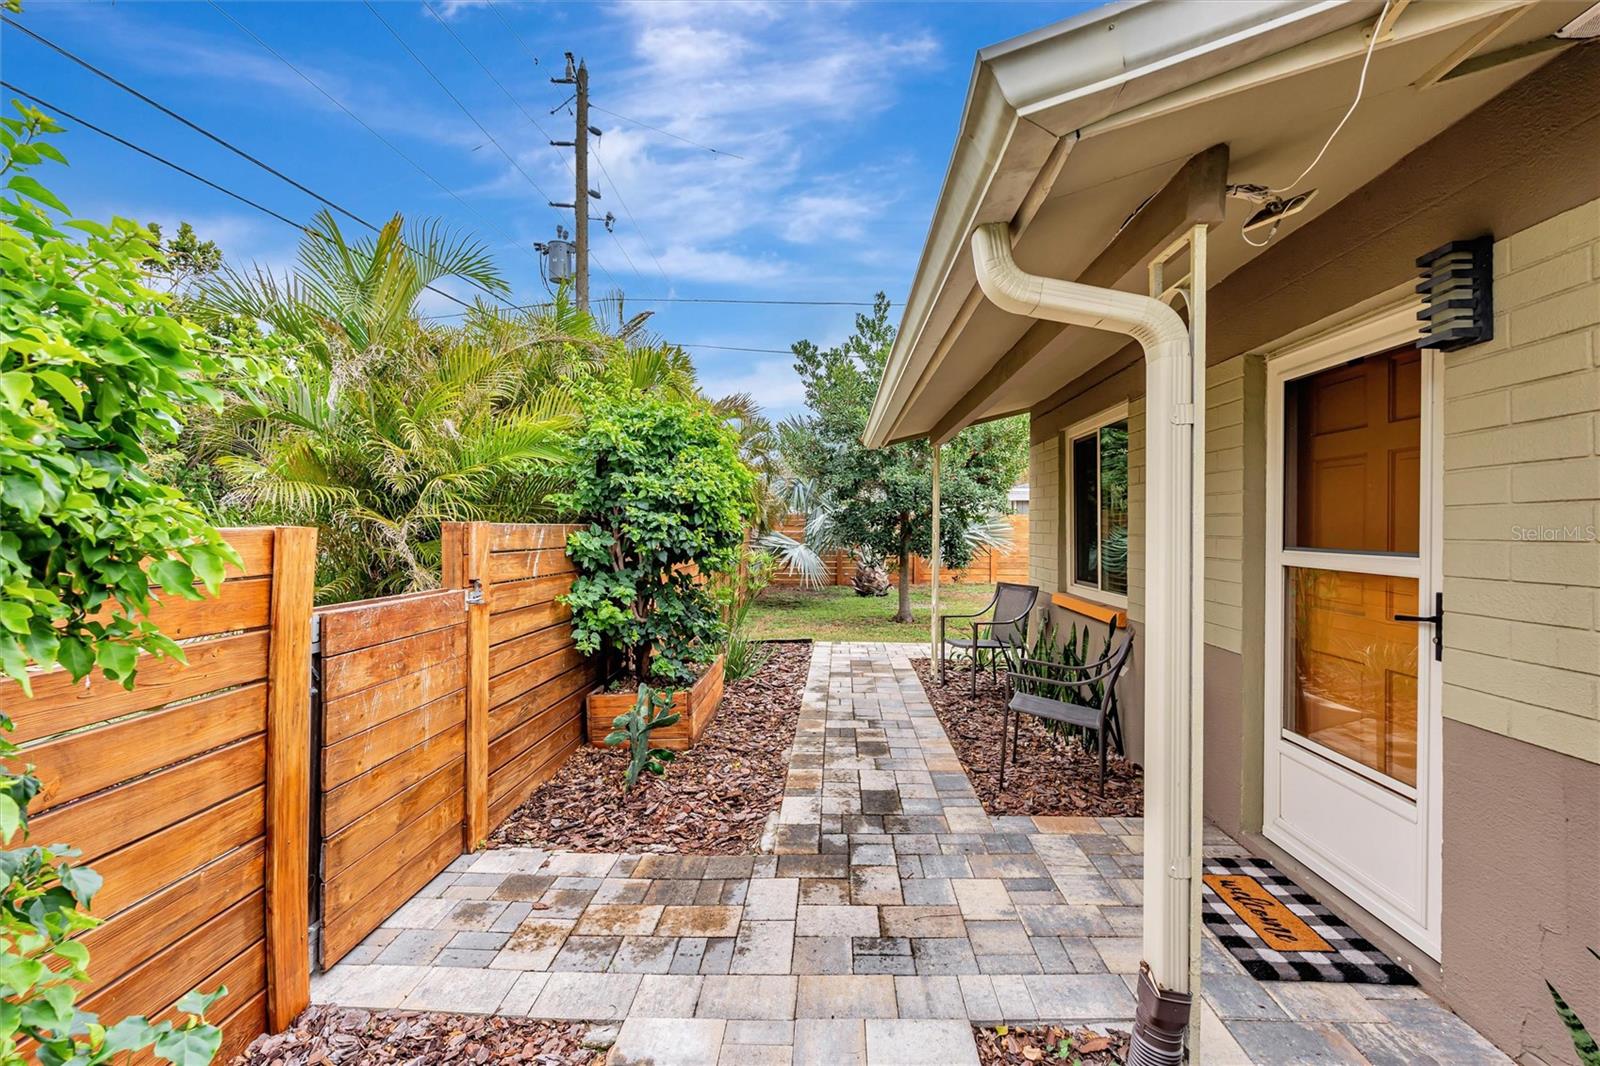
<point x="1097" y="464"/>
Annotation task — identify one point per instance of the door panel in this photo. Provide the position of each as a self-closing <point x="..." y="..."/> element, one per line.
<point x="1351" y="785"/>
<point x="1353" y="687"/>
<point x="1353" y="446"/>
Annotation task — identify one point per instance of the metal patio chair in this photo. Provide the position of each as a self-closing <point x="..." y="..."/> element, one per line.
<point x="1004" y="631"/>
<point x="1039" y="689"/>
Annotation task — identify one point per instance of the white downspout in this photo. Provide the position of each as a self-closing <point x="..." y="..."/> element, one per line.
<point x="1173" y="388"/>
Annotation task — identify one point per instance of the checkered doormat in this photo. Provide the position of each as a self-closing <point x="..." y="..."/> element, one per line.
<point x="1281" y="933"/>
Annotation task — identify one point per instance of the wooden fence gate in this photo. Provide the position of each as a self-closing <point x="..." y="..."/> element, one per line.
<point x="391" y="689"/>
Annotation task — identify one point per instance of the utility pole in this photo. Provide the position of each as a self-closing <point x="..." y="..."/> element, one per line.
<point x="578" y="77"/>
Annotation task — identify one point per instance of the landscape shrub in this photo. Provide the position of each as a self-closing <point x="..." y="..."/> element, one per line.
<point x="665" y="498"/>
<point x="94" y="372"/>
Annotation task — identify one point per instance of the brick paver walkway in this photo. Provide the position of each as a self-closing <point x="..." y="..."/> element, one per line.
<point x="889" y="914"/>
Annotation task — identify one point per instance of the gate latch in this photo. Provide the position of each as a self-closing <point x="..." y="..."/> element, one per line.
<point x="474" y="593"/>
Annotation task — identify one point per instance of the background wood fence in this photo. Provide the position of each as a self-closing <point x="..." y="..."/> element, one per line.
<point x="190" y="795"/>
<point x="206" y="798"/>
<point x="987" y="568"/>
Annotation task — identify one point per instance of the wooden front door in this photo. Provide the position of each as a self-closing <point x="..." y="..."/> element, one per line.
<point x="1350" y="705"/>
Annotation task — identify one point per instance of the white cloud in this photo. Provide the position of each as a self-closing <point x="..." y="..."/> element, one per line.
<point x="451" y="8"/>
<point x="772" y="383"/>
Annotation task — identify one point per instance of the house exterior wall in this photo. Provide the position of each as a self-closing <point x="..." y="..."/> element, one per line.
<point x="1521" y="706"/>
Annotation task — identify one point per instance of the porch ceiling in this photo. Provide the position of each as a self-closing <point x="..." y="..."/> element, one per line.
<point x="1273" y="113"/>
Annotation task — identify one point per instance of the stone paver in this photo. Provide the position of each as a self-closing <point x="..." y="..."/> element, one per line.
<point x="887" y="913"/>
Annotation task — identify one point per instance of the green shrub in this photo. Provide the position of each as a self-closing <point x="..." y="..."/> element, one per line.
<point x="665" y="497"/>
<point x="93" y="372"/>
<point x="746" y="655"/>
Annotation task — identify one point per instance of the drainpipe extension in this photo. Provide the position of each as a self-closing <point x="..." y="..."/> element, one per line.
<point x="1170" y="627"/>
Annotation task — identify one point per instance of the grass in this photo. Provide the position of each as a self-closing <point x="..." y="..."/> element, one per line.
<point x="839" y="614"/>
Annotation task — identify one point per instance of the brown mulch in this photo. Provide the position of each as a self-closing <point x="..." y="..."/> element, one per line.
<point x="323" y="1036"/>
<point x="1051" y="776"/>
<point x="1011" y="1046"/>
<point x="715" y="797"/>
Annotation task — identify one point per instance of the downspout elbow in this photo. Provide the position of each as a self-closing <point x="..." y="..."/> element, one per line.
<point x="1157" y="327"/>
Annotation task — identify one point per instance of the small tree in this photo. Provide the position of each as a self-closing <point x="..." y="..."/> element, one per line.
<point x="881" y="499"/>
<point x="666" y="499"/>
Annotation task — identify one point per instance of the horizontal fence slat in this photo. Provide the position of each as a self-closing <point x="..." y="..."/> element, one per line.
<point x="255" y="546"/>
<point x="99" y="824"/>
<point x="519" y="536"/>
<point x="550" y="717"/>
<point x="513" y="624"/>
<point x="513" y="566"/>
<point x="508" y="596"/>
<point x="191" y="959"/>
<point x="148" y="865"/>
<point x="525" y="649"/>
<point x="349" y="715"/>
<point x="242" y="603"/>
<point x="78" y="764"/>
<point x="59" y="704"/>
<point x="356" y="840"/>
<point x="351" y="626"/>
<point x="518" y="778"/>
<point x="148" y="928"/>
<point x="513" y="683"/>
<point x="356" y="755"/>
<point x="245" y="977"/>
<point x="346" y="926"/>
<point x="349" y="801"/>
<point x="357" y="670"/>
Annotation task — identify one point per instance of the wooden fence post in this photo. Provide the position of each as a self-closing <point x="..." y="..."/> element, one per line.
<point x="288" y="798"/>
<point x="475" y="575"/>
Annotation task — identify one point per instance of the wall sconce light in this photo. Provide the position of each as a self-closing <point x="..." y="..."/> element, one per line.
<point x="1457" y="306"/>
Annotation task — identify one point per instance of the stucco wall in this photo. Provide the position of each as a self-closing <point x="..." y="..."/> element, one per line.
<point x="1522" y="497"/>
<point x="1521" y="899"/>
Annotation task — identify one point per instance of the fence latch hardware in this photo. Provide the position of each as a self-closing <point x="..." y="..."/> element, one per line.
<point x="474" y="592"/>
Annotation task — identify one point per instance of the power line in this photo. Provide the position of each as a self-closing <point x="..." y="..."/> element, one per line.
<point x="731" y="348"/>
<point x="667" y="133"/>
<point x="418" y="167"/>
<point x="629" y="212"/>
<point x="729" y="300"/>
<point x="224" y="143"/>
<point x="536" y="124"/>
<point x="163" y="160"/>
<point x="454" y="99"/>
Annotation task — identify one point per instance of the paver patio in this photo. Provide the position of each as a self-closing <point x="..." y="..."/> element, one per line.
<point x="890" y="913"/>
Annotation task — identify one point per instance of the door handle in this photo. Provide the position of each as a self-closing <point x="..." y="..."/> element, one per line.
<point x="1436" y="619"/>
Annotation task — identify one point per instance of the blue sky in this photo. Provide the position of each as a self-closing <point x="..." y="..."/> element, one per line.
<point x="833" y="123"/>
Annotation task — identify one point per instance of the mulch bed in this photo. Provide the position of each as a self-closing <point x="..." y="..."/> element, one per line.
<point x="349" y="1037"/>
<point x="715" y="797"/>
<point x="1011" y="1046"/>
<point x="1051" y="776"/>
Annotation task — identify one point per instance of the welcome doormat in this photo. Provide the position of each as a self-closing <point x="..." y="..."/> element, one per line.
<point x="1281" y="933"/>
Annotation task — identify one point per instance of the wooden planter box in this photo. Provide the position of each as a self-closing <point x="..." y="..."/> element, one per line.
<point x="696" y="706"/>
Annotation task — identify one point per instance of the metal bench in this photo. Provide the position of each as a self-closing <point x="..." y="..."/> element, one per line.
<point x="1006" y="629"/>
<point x="1086" y="697"/>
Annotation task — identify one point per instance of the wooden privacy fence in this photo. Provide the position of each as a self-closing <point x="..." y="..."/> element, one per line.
<point x="987" y="568"/>
<point x="221" y="811"/>
<point x="190" y="796"/>
<point x="440" y="713"/>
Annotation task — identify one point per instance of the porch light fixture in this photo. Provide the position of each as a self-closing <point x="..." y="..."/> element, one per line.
<point x="1457" y="306"/>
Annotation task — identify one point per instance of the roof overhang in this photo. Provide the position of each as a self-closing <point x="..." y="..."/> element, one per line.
<point x="1068" y="130"/>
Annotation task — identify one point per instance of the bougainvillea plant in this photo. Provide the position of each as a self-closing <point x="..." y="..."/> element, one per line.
<point x="666" y="498"/>
<point x="94" y="372"/>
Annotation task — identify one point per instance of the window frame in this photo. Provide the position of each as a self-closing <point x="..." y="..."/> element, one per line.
<point x="1117" y="412"/>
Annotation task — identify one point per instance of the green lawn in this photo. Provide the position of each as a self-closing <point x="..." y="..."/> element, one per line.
<point x="839" y="614"/>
